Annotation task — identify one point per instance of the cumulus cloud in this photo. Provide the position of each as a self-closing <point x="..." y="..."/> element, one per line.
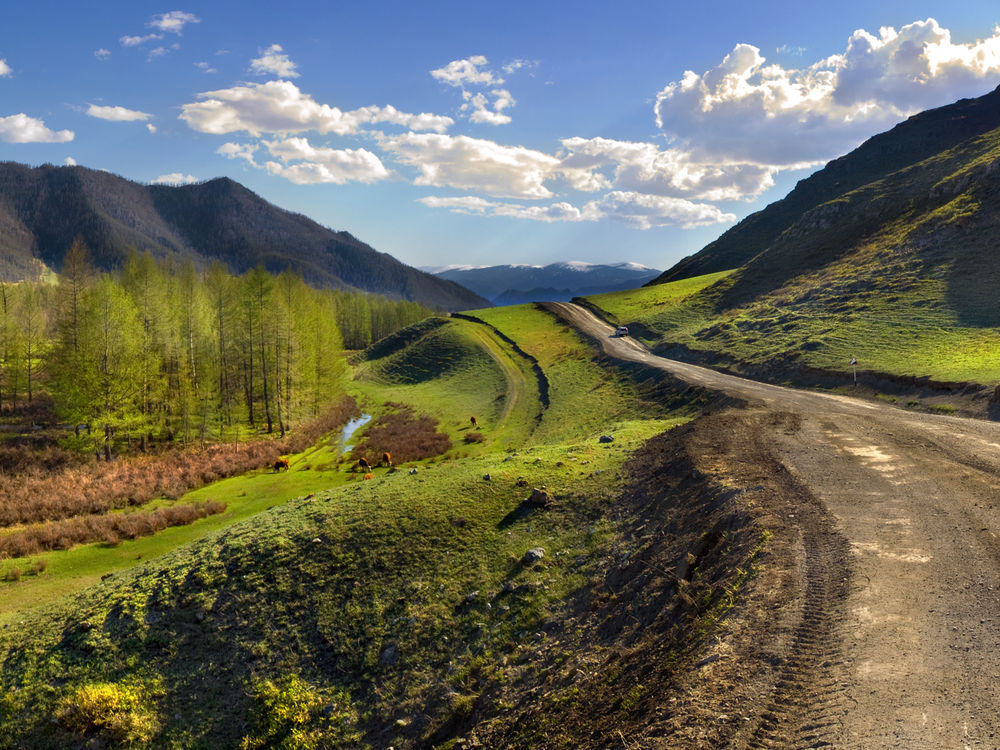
<point x="150" y="127"/>
<point x="205" y="67"/>
<point x="175" y="178"/>
<point x="4" y="68"/>
<point x="474" y="164"/>
<point x="467" y="71"/>
<point x="70" y="161"/>
<point x="483" y="111"/>
<point x="634" y="209"/>
<point x="102" y="54"/>
<point x="273" y="60"/>
<point x="20" y="128"/>
<point x="173" y="22"/>
<point x="117" y="114"/>
<point x="238" y="151"/>
<point x="645" y="168"/>
<point x="303" y="163"/>
<point x="280" y="107"/>
<point x="745" y="110"/>
<point x="468" y="75"/>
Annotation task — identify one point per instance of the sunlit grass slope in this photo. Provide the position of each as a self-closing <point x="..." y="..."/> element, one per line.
<point x="901" y="273"/>
<point x="374" y="601"/>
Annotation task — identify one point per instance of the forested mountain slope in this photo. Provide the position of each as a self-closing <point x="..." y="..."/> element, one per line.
<point x="43" y="209"/>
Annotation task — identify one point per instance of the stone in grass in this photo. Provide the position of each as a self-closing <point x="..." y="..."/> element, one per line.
<point x="533" y="555"/>
<point x="539" y="498"/>
<point x="389" y="655"/>
<point x="605" y="439"/>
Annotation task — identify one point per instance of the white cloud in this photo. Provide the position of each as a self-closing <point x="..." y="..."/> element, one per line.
<point x="645" y="168"/>
<point x="746" y="111"/>
<point x="4" y="68"/>
<point x="135" y="41"/>
<point x="474" y="164"/>
<point x="634" y="209"/>
<point x="467" y="71"/>
<point x="102" y="54"/>
<point x="70" y="161"/>
<point x="238" y="151"/>
<point x="643" y="211"/>
<point x="272" y="60"/>
<point x="317" y="165"/>
<point x="20" y="128"/>
<point x="205" y="67"/>
<point x="175" y="178"/>
<point x="174" y="21"/>
<point x="279" y="107"/>
<point x="117" y="114"/>
<point x="150" y="127"/>
<point x="481" y="111"/>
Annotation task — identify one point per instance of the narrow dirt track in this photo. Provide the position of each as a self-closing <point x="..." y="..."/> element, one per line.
<point x="908" y="656"/>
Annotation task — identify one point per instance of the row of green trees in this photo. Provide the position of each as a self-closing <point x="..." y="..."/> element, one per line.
<point x="160" y="352"/>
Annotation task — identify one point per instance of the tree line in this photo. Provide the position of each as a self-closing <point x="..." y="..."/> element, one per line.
<point x="163" y="352"/>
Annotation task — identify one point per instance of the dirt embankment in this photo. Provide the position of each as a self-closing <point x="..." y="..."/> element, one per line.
<point x="700" y="629"/>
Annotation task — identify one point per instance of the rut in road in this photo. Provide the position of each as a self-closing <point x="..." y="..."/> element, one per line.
<point x="808" y="701"/>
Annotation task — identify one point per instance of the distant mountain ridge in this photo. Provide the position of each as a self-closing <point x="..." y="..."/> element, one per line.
<point x="555" y="282"/>
<point x="910" y="142"/>
<point x="43" y="209"/>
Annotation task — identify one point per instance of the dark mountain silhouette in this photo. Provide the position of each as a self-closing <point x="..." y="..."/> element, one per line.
<point x="920" y="137"/>
<point x="556" y="282"/>
<point x="43" y="209"/>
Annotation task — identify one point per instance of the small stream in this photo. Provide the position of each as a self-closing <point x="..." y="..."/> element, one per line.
<point x="348" y="432"/>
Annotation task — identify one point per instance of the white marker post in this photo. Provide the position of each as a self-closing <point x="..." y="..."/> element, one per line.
<point x="854" y="366"/>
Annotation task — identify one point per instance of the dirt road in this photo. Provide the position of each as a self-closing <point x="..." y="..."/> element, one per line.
<point x="907" y="653"/>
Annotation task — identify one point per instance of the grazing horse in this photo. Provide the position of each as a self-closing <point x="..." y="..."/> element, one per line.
<point x="364" y="465"/>
<point x="386" y="460"/>
<point x="474" y="422"/>
<point x="281" y="463"/>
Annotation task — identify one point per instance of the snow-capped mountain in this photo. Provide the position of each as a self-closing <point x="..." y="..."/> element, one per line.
<point x="513" y="284"/>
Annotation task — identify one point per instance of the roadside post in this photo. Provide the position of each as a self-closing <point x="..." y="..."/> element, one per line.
<point x="854" y="366"/>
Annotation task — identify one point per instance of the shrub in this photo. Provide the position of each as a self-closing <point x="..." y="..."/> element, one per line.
<point x="118" y="713"/>
<point x="474" y="437"/>
<point x="294" y="715"/>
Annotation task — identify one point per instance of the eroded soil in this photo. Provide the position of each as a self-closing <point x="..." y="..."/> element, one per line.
<point x="873" y="622"/>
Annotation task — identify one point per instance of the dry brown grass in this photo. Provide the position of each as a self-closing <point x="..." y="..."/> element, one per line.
<point x="49" y="490"/>
<point x="107" y="527"/>
<point x="402" y="433"/>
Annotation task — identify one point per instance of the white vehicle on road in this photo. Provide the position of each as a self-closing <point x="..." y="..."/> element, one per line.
<point x="621" y="331"/>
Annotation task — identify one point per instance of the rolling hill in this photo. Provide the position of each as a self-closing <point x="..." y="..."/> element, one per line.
<point x="43" y="209"/>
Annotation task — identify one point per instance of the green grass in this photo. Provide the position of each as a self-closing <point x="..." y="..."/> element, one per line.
<point x="893" y="319"/>
<point x="454" y="372"/>
<point x="245" y="496"/>
<point x="582" y="395"/>
<point x="320" y="588"/>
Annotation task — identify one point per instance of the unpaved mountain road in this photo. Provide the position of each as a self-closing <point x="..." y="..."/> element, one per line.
<point x="906" y="654"/>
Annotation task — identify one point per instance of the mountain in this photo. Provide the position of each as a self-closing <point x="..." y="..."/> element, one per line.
<point x="556" y="282"/>
<point x="918" y="138"/>
<point x="43" y="209"/>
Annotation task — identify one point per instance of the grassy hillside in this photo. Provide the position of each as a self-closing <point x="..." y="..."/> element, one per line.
<point x="400" y="610"/>
<point x="900" y="273"/>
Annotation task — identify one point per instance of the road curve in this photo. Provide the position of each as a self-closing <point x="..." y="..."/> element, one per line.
<point x="917" y="498"/>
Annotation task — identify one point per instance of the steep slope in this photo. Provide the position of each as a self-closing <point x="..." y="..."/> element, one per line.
<point x="918" y="138"/>
<point x="43" y="209"/>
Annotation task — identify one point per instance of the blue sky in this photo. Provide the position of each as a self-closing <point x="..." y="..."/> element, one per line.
<point x="473" y="133"/>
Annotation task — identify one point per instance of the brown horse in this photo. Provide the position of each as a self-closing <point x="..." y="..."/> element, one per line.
<point x="364" y="465"/>
<point x="475" y="424"/>
<point x="281" y="463"/>
<point x="386" y="460"/>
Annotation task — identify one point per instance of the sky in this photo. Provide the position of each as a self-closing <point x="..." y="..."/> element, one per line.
<point x="466" y="133"/>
